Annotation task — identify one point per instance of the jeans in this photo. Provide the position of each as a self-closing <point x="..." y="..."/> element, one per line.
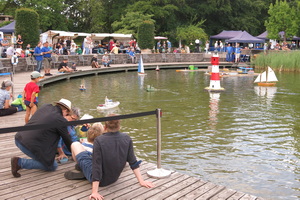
<point x="25" y="163"/>
<point x="87" y="51"/>
<point x="106" y="63"/>
<point x="39" y="64"/>
<point x="84" y="160"/>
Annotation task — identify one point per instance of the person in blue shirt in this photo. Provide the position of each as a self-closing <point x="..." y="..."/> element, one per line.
<point x="38" y="54"/>
<point x="229" y="51"/>
<point x="169" y="44"/>
<point x="47" y="59"/>
<point x="132" y="56"/>
<point x="237" y="52"/>
<point x="62" y="149"/>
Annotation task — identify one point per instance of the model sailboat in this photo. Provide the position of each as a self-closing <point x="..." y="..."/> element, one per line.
<point x="267" y="78"/>
<point x="82" y="85"/>
<point x="141" y="70"/>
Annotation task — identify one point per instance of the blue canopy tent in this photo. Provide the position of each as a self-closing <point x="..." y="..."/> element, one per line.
<point x="263" y="35"/>
<point x="245" y="37"/>
<point x="9" y="28"/>
<point x="224" y="35"/>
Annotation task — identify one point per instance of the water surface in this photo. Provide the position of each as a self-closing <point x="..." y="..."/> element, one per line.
<point x="245" y="138"/>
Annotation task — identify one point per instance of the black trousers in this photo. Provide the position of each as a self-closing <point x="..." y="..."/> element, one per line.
<point x="8" y="111"/>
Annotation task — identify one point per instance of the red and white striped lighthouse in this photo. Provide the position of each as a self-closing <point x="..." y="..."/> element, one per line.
<point x="214" y="84"/>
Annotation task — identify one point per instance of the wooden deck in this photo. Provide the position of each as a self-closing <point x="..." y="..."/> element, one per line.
<point x="37" y="184"/>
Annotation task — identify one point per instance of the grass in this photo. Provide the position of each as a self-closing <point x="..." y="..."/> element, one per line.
<point x="279" y="61"/>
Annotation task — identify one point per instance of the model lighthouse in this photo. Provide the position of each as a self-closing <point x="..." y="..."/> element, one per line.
<point x="214" y="85"/>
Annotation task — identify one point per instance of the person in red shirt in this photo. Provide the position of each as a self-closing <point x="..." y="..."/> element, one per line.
<point x="111" y="44"/>
<point x="29" y="95"/>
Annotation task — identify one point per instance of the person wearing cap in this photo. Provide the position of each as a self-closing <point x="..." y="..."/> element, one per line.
<point x="41" y="144"/>
<point x="5" y="108"/>
<point x="30" y="92"/>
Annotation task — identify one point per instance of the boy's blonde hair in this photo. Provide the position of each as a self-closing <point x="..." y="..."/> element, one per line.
<point x="95" y="130"/>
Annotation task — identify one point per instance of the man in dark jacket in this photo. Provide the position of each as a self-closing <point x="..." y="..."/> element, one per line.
<point x="41" y="144"/>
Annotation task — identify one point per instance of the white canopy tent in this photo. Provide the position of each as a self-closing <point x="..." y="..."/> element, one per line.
<point x="52" y="35"/>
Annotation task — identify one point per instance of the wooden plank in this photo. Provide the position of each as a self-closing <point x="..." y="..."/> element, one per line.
<point x="162" y="185"/>
<point x="248" y="197"/>
<point x="199" y="191"/>
<point x="210" y="193"/>
<point x="32" y="184"/>
<point x="135" y="190"/>
<point x="236" y="196"/>
<point x="125" y="175"/>
<point x="225" y="194"/>
<point x="174" y="188"/>
<point x="184" y="191"/>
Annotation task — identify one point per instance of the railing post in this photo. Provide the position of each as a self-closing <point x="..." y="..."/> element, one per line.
<point x="158" y="136"/>
<point x="158" y="172"/>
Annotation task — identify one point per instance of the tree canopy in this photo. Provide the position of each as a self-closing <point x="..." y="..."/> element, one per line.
<point x="169" y="16"/>
<point x="282" y="18"/>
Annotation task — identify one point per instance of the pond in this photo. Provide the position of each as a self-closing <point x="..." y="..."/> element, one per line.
<point x="246" y="138"/>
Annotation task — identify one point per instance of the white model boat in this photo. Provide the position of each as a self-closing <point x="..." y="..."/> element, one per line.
<point x="108" y="104"/>
<point x="141" y="70"/>
<point x="267" y="78"/>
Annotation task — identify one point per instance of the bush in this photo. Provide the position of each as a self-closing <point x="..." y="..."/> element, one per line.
<point x="4" y="23"/>
<point x="27" y="25"/>
<point x="146" y="35"/>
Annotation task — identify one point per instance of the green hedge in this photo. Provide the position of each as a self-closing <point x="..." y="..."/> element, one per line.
<point x="27" y="25"/>
<point x="146" y="35"/>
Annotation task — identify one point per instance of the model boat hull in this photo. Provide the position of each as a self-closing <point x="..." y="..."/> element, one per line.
<point x="266" y="84"/>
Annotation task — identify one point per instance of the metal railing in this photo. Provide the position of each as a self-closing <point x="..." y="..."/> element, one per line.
<point x="156" y="173"/>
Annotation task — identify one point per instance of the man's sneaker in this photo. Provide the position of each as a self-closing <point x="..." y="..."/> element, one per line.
<point x="15" y="167"/>
<point x="74" y="175"/>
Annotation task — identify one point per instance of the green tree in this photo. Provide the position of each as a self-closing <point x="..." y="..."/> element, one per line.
<point x="188" y="34"/>
<point x="130" y="23"/>
<point x="282" y="18"/>
<point x="51" y="12"/>
<point x="27" y="25"/>
<point x="163" y="12"/>
<point x="146" y="35"/>
<point x="4" y="23"/>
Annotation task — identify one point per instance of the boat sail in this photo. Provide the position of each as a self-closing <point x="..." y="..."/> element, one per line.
<point x="141" y="70"/>
<point x="267" y="78"/>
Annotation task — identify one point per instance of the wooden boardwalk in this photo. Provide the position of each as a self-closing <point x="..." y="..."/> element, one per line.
<point x="37" y="184"/>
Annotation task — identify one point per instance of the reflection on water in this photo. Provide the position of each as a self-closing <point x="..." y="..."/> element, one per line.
<point x="245" y="138"/>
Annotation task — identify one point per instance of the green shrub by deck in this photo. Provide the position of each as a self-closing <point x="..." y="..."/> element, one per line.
<point x="27" y="25"/>
<point x="146" y="35"/>
<point x="279" y="60"/>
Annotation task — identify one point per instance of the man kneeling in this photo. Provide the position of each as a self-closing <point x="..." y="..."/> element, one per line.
<point x="110" y="153"/>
